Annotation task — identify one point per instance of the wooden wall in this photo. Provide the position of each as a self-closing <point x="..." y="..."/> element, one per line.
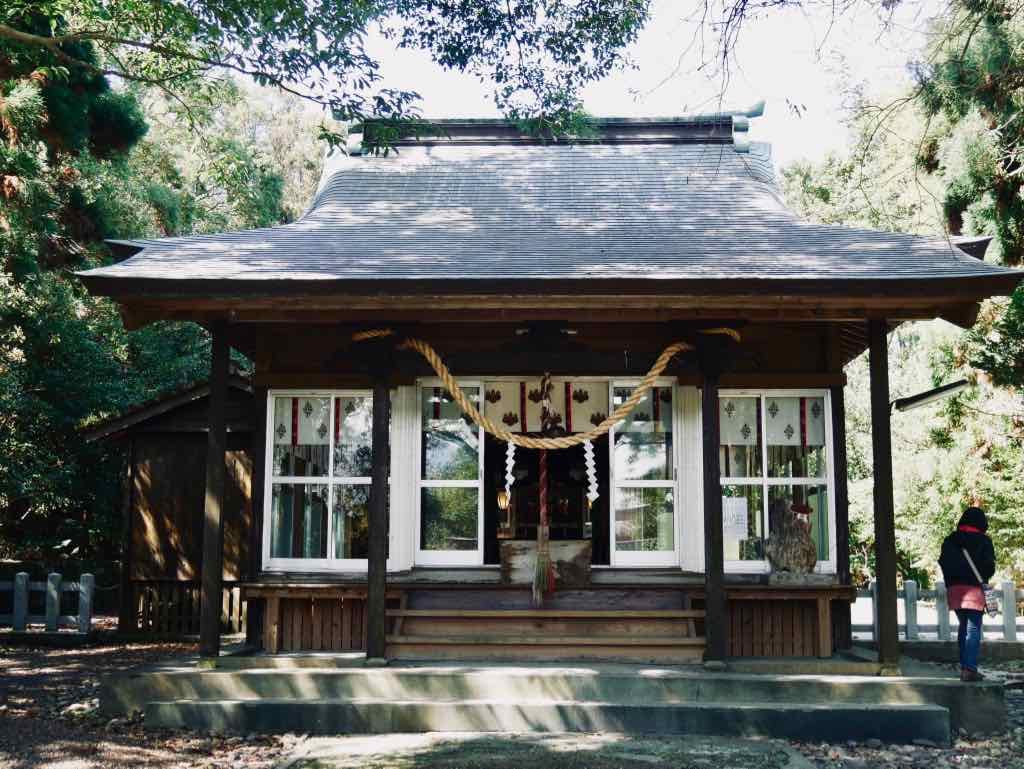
<point x="779" y="623"/>
<point x="167" y="498"/>
<point x="323" y="624"/>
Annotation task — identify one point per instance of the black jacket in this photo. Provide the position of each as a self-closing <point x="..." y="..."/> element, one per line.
<point x="955" y="569"/>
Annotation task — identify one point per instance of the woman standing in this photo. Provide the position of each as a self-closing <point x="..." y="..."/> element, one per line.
<point x="968" y="544"/>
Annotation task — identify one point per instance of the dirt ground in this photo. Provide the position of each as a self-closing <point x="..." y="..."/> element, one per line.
<point x="48" y="720"/>
<point x="48" y="717"/>
<point x="542" y="751"/>
<point x="1004" y="750"/>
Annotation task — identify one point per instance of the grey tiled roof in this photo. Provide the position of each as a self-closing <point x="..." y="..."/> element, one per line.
<point x="587" y="211"/>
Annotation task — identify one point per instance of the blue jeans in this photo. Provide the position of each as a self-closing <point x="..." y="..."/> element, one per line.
<point x="969" y="637"/>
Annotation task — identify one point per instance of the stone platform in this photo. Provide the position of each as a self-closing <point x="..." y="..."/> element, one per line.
<point x="331" y="694"/>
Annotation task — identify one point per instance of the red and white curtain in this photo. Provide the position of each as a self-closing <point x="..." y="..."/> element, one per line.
<point x="579" y="406"/>
<point x="792" y="421"/>
<point x="302" y="421"/>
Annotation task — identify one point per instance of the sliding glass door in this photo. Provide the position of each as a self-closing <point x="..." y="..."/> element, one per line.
<point x="450" y="493"/>
<point x="643" y="468"/>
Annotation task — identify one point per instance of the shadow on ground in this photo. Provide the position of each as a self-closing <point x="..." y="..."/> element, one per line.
<point x="49" y="717"/>
<point x="464" y="751"/>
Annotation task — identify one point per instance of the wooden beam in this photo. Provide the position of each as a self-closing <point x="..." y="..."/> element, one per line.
<point x="376" y="579"/>
<point x="298" y="312"/>
<point x="770" y="379"/>
<point x="213" y="519"/>
<point x="716" y="629"/>
<point x="885" y="535"/>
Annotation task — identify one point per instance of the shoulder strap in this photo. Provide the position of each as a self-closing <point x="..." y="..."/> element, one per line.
<point x="970" y="562"/>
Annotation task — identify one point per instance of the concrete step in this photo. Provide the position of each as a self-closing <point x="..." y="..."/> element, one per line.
<point x="292" y="661"/>
<point x="829" y="722"/>
<point x="975" y="707"/>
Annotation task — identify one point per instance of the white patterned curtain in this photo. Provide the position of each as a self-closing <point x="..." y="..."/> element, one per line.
<point x="302" y="421"/>
<point x="793" y="421"/>
<point x="737" y="420"/>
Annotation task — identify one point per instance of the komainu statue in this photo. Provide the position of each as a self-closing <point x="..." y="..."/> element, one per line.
<point x="790" y="546"/>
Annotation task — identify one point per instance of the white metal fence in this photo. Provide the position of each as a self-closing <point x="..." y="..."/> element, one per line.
<point x="925" y="614"/>
<point x="20" y="618"/>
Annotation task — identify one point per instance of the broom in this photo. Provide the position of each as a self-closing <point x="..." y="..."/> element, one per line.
<point x="543" y="573"/>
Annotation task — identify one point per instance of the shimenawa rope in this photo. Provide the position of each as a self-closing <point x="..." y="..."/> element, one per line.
<point x="430" y="355"/>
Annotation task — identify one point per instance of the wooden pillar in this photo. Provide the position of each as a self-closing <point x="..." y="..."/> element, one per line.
<point x="716" y="619"/>
<point x="127" y="617"/>
<point x="213" y="518"/>
<point x="885" y="528"/>
<point x="376" y="577"/>
<point x="255" y="608"/>
<point x="841" y="610"/>
<point x="841" y="492"/>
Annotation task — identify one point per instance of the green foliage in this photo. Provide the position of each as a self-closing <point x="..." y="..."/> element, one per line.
<point x="75" y="169"/>
<point x="906" y="173"/>
<point x="975" y="73"/>
<point x="877" y="183"/>
<point x="538" y="53"/>
<point x="996" y="344"/>
<point x="571" y="124"/>
<point x="249" y="157"/>
<point x="116" y="124"/>
<point x="182" y="150"/>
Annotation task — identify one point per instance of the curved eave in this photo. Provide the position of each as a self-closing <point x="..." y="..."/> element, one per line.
<point x="963" y="288"/>
<point x="411" y="301"/>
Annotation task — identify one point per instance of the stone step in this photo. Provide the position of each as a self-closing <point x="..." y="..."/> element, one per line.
<point x="975" y="707"/>
<point x="823" y="722"/>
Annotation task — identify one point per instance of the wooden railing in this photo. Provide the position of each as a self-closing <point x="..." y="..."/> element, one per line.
<point x="21" y="587"/>
<point x="168" y="607"/>
<point x="1009" y="625"/>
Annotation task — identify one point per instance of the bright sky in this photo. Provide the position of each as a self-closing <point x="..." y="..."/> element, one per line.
<point x="791" y="56"/>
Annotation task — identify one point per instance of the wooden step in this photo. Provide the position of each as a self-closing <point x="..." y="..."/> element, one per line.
<point x="568" y="641"/>
<point x="548" y="614"/>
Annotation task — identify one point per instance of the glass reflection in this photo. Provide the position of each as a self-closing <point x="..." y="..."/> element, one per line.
<point x="353" y="449"/>
<point x="448" y="517"/>
<point x="298" y="520"/>
<point x="644" y="519"/>
<point x="451" y="441"/>
<point x="643" y="441"/>
<point x="351" y="521"/>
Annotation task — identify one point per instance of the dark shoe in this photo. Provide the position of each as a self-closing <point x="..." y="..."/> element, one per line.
<point x="970" y="676"/>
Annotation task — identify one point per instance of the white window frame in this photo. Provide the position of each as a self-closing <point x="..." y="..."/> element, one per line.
<point x="762" y="566"/>
<point x="654" y="558"/>
<point x="329" y="563"/>
<point x="447" y="557"/>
